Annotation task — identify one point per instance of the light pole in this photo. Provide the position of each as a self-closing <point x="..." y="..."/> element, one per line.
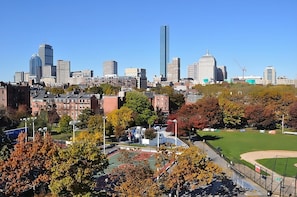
<point x="158" y="138"/>
<point x="33" y="119"/>
<point x="43" y="130"/>
<point x="73" y="123"/>
<point x="104" y="119"/>
<point x="175" y="130"/>
<point x="26" y="128"/>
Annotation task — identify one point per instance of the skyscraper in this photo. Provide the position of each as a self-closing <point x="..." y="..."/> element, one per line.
<point x="164" y="50"/>
<point x="63" y="71"/>
<point x="173" y="70"/>
<point x="207" y="69"/>
<point x="269" y="75"/>
<point x="110" y="68"/>
<point x="35" y="68"/>
<point x="45" y="53"/>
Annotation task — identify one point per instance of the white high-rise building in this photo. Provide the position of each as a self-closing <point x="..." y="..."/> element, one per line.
<point x="173" y="70"/>
<point x="63" y="71"/>
<point x="269" y="75"/>
<point x="207" y="69"/>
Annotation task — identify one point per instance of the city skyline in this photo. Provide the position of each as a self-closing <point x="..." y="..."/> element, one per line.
<point x="248" y="34"/>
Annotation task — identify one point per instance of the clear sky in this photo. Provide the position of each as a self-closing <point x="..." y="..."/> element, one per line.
<point x="238" y="33"/>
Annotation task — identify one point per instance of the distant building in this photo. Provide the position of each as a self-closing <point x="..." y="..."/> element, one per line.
<point x="139" y="74"/>
<point x="164" y="50"/>
<point x="35" y="68"/>
<point x="46" y="52"/>
<point x="117" y="81"/>
<point x="65" y="104"/>
<point x="192" y="71"/>
<point x="173" y="70"/>
<point x="19" y="77"/>
<point x="207" y="69"/>
<point x="221" y="73"/>
<point x="14" y="96"/>
<point x="269" y="75"/>
<point x="49" y="71"/>
<point x="110" y="68"/>
<point x="110" y="103"/>
<point x="63" y="71"/>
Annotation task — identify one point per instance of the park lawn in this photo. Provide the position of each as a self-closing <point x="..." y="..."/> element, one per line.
<point x="235" y="143"/>
<point x="282" y="166"/>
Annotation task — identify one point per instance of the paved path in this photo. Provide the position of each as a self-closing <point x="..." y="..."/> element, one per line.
<point x="254" y="189"/>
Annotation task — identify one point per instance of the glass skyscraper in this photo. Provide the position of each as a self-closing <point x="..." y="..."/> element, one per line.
<point x="45" y="52"/>
<point x="164" y="50"/>
<point x="35" y="66"/>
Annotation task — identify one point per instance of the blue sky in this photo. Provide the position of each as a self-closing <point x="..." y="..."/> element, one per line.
<point x="238" y="33"/>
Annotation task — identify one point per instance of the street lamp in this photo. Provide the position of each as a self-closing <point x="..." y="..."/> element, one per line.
<point x="26" y="128"/>
<point x="175" y="130"/>
<point x="104" y="119"/>
<point x="33" y="119"/>
<point x="43" y="130"/>
<point x="73" y="123"/>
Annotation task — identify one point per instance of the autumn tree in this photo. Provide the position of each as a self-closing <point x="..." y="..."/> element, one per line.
<point x="293" y="115"/>
<point x="191" y="167"/>
<point x="260" y="117"/>
<point x="209" y="108"/>
<point x="120" y="120"/>
<point x="233" y="114"/>
<point x="150" y="133"/>
<point x="74" y="168"/>
<point x="29" y="165"/>
<point x="134" y="178"/>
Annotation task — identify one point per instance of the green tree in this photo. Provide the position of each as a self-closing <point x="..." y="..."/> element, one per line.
<point x="142" y="108"/>
<point x="84" y="118"/>
<point x="74" y="168"/>
<point x="64" y="124"/>
<point x="28" y="166"/>
<point x="95" y="90"/>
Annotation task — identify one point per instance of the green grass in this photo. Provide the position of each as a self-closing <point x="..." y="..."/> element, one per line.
<point x="235" y="143"/>
<point x="283" y="166"/>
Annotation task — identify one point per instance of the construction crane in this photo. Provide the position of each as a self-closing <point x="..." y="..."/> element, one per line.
<point x="243" y="69"/>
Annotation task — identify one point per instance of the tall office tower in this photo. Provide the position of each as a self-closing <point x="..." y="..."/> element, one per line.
<point x="192" y="71"/>
<point x="139" y="74"/>
<point x="19" y="77"/>
<point x="173" y="70"/>
<point x="164" y="50"/>
<point x="269" y="75"/>
<point x="221" y="73"/>
<point x="45" y="52"/>
<point x="110" y="68"/>
<point x="207" y="69"/>
<point x="35" y="68"/>
<point x="63" y="71"/>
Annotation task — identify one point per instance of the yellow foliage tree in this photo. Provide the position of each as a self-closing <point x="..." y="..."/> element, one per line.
<point x="193" y="167"/>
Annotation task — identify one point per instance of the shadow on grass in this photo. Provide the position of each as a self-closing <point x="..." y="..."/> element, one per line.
<point x="205" y="137"/>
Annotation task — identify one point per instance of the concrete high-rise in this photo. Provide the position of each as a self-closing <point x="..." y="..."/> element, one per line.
<point x="139" y="74"/>
<point x="19" y="77"/>
<point x="207" y="69"/>
<point x="164" y="50"/>
<point x="45" y="53"/>
<point x="63" y="71"/>
<point x="269" y="75"/>
<point x="173" y="70"/>
<point x="110" y="68"/>
<point x="35" y="68"/>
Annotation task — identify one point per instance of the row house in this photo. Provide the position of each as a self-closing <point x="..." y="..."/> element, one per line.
<point x="65" y="104"/>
